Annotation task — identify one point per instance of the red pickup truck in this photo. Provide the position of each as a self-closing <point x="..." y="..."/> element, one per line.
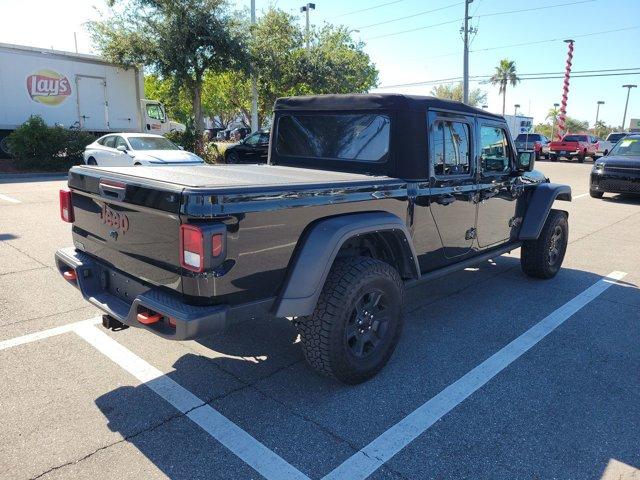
<point x="571" y="145"/>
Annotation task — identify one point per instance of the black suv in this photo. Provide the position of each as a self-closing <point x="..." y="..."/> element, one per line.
<point x="363" y="196"/>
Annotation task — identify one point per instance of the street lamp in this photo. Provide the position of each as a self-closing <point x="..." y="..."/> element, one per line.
<point x="595" y="125"/>
<point x="553" y="129"/>
<point x="515" y="109"/>
<point x="306" y="9"/>
<point x="624" y="117"/>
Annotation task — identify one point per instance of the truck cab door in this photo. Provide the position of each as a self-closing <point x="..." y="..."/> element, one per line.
<point x="453" y="182"/>
<point x="497" y="191"/>
<point x="155" y="120"/>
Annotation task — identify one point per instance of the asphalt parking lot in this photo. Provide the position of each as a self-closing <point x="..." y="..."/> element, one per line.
<point x="497" y="375"/>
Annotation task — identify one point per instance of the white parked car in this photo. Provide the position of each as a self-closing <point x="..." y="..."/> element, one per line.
<point x="129" y="149"/>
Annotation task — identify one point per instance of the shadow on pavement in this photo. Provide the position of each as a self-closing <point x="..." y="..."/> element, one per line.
<point x="454" y="324"/>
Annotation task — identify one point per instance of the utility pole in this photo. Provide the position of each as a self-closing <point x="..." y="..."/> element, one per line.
<point x="553" y="128"/>
<point x="306" y="8"/>
<point x="254" y="80"/>
<point x="565" y="90"/>
<point x="75" y="40"/>
<point x="595" y="125"/>
<point x="624" y="117"/>
<point x="465" y="65"/>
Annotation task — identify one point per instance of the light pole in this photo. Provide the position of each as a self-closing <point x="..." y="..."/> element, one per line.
<point x="553" y="129"/>
<point x="515" y="109"/>
<point x="600" y="102"/>
<point x="254" y="80"/>
<point x="306" y="8"/>
<point x="624" y="117"/>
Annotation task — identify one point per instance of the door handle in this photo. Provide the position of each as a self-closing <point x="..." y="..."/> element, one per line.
<point x="445" y="199"/>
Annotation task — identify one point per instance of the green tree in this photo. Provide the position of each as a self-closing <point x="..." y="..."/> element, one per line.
<point x="505" y="74"/>
<point x="177" y="39"/>
<point x="175" y="99"/>
<point x="601" y="129"/>
<point x="477" y="97"/>
<point x="544" y="129"/>
<point x="334" y="62"/>
<point x="573" y="125"/>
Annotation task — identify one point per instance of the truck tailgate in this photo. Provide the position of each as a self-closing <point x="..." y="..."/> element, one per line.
<point x="132" y="227"/>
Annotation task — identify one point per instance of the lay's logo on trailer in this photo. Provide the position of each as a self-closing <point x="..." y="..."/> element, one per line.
<point x="48" y="87"/>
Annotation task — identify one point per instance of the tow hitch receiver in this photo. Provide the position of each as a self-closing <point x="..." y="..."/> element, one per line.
<point x="149" y="318"/>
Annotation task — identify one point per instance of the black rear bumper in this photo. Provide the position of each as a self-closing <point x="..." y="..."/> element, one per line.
<point x="124" y="297"/>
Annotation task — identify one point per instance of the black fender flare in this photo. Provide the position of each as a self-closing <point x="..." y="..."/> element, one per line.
<point x="318" y="248"/>
<point x="539" y="206"/>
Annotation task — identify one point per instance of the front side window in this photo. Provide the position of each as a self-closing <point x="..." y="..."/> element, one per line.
<point x="494" y="150"/>
<point x="155" y="111"/>
<point x="252" y="139"/>
<point x="451" y="148"/>
<point x="120" y="142"/>
<point x="359" y="137"/>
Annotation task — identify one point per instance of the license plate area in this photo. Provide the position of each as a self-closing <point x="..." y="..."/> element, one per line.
<point x="120" y="285"/>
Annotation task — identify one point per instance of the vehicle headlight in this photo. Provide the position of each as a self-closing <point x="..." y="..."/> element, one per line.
<point x="599" y="166"/>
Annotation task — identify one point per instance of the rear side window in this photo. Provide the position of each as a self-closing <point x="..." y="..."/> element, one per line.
<point x="363" y="138"/>
<point x="451" y="148"/>
<point x="109" y="142"/>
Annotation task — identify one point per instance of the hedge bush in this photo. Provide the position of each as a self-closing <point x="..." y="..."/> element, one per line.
<point x="36" y="146"/>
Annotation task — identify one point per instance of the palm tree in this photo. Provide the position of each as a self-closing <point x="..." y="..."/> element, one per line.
<point x="553" y="114"/>
<point x="505" y="74"/>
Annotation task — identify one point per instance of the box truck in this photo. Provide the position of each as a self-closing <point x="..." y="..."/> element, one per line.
<point x="75" y="91"/>
<point x="519" y="124"/>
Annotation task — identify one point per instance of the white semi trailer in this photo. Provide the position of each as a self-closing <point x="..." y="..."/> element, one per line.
<point x="75" y="91"/>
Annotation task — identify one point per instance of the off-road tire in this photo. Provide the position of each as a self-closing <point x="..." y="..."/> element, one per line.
<point x="582" y="157"/>
<point x="324" y="334"/>
<point x="536" y="257"/>
<point x="553" y="158"/>
<point x="595" y="194"/>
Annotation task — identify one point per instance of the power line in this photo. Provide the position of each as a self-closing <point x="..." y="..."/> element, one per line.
<point x="480" y="16"/>
<point x="411" y="16"/>
<point x="526" y="44"/>
<point x="368" y="8"/>
<point x="550" y="75"/>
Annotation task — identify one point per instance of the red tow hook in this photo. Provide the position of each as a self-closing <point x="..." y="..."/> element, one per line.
<point x="148" y="318"/>
<point x="70" y="275"/>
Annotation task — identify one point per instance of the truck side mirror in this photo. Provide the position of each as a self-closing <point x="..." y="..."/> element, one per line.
<point x="525" y="161"/>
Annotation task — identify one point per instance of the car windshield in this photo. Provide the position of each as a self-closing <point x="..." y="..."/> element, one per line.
<point x="527" y="137"/>
<point x="575" y="138"/>
<point x="628" y="147"/>
<point x="152" y="143"/>
<point x="614" y="137"/>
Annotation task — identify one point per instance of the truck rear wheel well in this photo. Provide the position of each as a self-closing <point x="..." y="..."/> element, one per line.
<point x="386" y="246"/>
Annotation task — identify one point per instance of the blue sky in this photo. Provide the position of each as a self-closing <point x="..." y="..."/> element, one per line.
<point x="435" y="53"/>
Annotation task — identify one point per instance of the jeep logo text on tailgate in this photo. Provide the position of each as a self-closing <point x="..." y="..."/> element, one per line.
<point x="114" y="219"/>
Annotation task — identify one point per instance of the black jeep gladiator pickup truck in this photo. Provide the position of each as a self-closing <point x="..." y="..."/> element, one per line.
<point x="362" y="196"/>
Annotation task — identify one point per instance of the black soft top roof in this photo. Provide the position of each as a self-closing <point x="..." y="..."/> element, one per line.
<point x="376" y="101"/>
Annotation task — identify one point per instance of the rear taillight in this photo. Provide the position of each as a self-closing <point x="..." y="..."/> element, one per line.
<point x="66" y="205"/>
<point x="191" y="248"/>
<point x="217" y="243"/>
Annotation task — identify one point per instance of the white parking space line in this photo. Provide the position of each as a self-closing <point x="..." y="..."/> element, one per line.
<point x="9" y="199"/>
<point x="382" y="449"/>
<point x="52" y="332"/>
<point x="580" y="196"/>
<point x="248" y="449"/>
